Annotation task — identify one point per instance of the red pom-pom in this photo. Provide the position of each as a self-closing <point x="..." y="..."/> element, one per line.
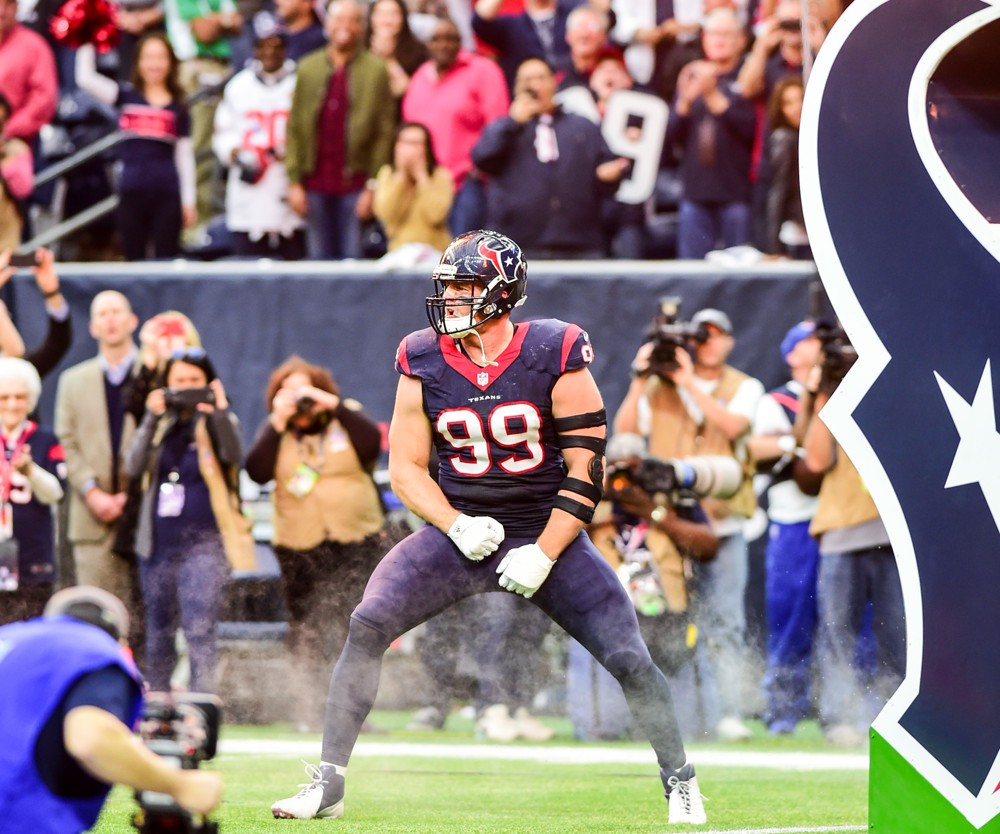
<point x="86" y="21"/>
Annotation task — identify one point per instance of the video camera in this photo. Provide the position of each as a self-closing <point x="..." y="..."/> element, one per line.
<point x="184" y="730"/>
<point x="838" y="355"/>
<point x="667" y="333"/>
<point x="186" y="399"/>
<point x="707" y="476"/>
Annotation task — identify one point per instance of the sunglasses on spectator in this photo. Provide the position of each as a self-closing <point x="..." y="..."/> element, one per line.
<point x="188" y="353"/>
<point x="790" y="25"/>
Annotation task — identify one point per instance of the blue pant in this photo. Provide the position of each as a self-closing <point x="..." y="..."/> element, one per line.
<point x="721" y="619"/>
<point x="425" y="573"/>
<point x="791" y="565"/>
<point x="468" y="210"/>
<point x="703" y="226"/>
<point x="848" y="582"/>
<point x="183" y="587"/>
<point x="333" y="231"/>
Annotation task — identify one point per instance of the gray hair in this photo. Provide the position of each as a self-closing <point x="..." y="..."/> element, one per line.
<point x="582" y="11"/>
<point x="13" y="368"/>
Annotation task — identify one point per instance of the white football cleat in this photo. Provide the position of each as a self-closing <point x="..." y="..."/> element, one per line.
<point x="685" y="799"/>
<point x="322" y="797"/>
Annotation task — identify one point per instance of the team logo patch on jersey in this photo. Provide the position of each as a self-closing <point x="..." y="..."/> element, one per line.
<point x="899" y="186"/>
<point x="482" y="378"/>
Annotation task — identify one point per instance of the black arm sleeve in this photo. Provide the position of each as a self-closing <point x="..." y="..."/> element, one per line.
<point x="57" y="341"/>
<point x="263" y="454"/>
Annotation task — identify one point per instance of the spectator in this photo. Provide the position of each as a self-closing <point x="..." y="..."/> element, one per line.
<point x="389" y="37"/>
<point x="701" y="405"/>
<point x="250" y="139"/>
<point x="550" y="170"/>
<point x="135" y="19"/>
<point x="186" y="449"/>
<point x="95" y="429"/>
<point x="27" y="77"/>
<point x="714" y="126"/>
<point x="59" y="335"/>
<point x="159" y="338"/>
<point x="586" y="36"/>
<point x="778" y="50"/>
<point x="455" y="95"/>
<point x="624" y="223"/>
<point x="32" y="467"/>
<point x="792" y="559"/>
<point x="16" y="181"/>
<point x="71" y="694"/>
<point x="413" y="194"/>
<point x="538" y="32"/>
<point x="319" y="449"/>
<point x="659" y="37"/>
<point x="339" y="135"/>
<point x="857" y="569"/>
<point x="200" y="33"/>
<point x="303" y="31"/>
<point x="156" y="188"/>
<point x="786" y="231"/>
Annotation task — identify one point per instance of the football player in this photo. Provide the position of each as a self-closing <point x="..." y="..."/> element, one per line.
<point x="519" y="428"/>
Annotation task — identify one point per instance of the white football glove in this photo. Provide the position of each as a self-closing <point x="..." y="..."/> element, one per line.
<point x="524" y="569"/>
<point x="476" y="536"/>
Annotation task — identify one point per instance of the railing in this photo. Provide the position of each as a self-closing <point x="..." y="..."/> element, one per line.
<point x="88" y="215"/>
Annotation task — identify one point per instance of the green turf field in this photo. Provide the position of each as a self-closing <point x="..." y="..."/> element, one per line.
<point x="480" y="794"/>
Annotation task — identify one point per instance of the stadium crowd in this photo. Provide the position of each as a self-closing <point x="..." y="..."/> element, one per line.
<point x="282" y="128"/>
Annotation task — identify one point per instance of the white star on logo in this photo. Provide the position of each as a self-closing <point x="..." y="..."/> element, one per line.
<point x="977" y="460"/>
<point x="510" y="260"/>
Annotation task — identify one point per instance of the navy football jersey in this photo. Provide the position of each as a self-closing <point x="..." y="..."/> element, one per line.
<point x="492" y="426"/>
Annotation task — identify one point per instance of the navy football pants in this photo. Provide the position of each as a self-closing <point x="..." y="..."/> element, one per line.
<point x="425" y="573"/>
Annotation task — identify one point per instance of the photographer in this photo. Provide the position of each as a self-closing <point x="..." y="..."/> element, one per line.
<point x="687" y="401"/>
<point x="857" y="566"/>
<point x="651" y="529"/>
<point x="320" y="450"/>
<point x="70" y="695"/>
<point x="187" y="452"/>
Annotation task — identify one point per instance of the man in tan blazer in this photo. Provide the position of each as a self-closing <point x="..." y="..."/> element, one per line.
<point x="95" y="430"/>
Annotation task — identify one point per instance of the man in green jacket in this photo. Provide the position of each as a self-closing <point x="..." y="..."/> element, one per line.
<point x="340" y="132"/>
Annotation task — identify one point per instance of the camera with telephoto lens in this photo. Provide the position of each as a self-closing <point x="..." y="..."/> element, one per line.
<point x="667" y="333"/>
<point x="707" y="476"/>
<point x="185" y="399"/>
<point x="183" y="729"/>
<point x="838" y="355"/>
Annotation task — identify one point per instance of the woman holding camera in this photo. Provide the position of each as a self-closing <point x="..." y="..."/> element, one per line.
<point x="187" y="453"/>
<point x="320" y="451"/>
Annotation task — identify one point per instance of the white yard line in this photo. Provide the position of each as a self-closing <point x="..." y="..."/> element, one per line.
<point x="556" y="754"/>
<point x="821" y="830"/>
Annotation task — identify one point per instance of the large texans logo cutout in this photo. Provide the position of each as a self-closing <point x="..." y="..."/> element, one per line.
<point x="911" y="265"/>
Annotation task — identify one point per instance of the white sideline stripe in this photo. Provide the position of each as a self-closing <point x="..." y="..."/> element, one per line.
<point x="555" y="754"/>
<point x="823" y="830"/>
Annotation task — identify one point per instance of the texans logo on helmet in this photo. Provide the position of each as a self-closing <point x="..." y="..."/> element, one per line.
<point x="900" y="143"/>
<point x="492" y="256"/>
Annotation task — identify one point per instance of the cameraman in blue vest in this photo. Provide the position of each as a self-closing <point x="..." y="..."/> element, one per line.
<point x="69" y="694"/>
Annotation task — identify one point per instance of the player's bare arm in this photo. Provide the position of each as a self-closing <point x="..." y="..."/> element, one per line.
<point x="409" y="456"/>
